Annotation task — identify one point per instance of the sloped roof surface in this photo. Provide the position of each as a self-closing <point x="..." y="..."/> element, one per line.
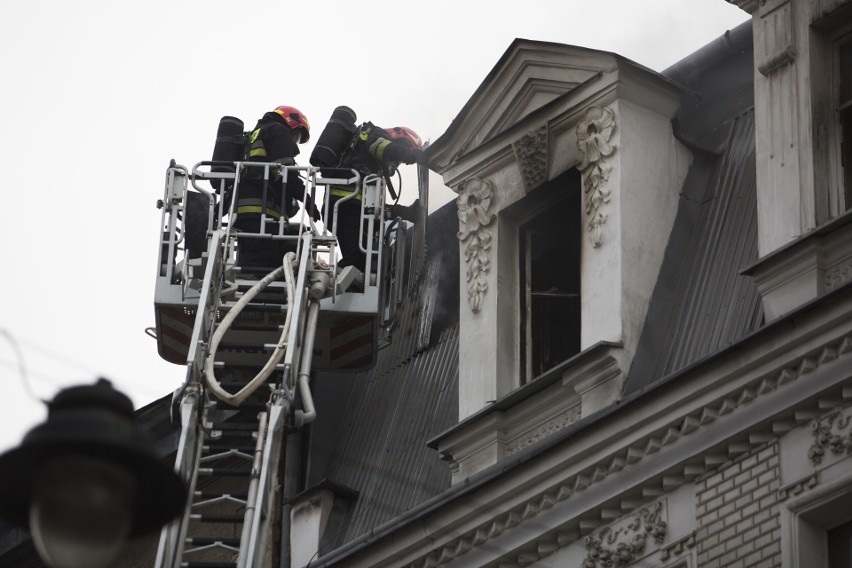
<point x="701" y="302"/>
<point x="377" y="443"/>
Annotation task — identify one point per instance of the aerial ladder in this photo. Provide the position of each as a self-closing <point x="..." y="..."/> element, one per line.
<point x="226" y="323"/>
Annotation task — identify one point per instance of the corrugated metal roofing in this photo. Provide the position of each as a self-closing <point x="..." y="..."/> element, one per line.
<point x="702" y="303"/>
<point x="378" y="444"/>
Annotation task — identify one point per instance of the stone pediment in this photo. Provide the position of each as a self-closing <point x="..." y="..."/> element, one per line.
<point x="529" y="76"/>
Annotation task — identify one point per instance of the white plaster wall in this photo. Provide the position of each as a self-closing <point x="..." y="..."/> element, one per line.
<point x="789" y="201"/>
<point x="488" y="342"/>
<point x="652" y="171"/>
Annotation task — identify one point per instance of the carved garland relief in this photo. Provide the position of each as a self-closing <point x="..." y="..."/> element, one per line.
<point x="620" y="547"/>
<point x="474" y="210"/>
<point x="594" y="133"/>
<point x="831" y="434"/>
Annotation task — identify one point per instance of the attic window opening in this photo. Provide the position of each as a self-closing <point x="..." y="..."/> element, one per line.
<point x="549" y="246"/>
<point x="845" y="111"/>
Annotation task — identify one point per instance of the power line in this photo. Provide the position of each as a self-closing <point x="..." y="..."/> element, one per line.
<point x="57" y="356"/>
<point x="22" y="367"/>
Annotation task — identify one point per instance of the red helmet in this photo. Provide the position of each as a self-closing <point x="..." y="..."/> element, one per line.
<point x="404" y="133"/>
<point x="296" y="120"/>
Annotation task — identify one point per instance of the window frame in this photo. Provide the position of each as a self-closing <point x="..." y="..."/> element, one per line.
<point x="806" y="520"/>
<point x="565" y="187"/>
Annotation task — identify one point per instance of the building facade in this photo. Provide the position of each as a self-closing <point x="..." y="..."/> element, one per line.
<point x="629" y="341"/>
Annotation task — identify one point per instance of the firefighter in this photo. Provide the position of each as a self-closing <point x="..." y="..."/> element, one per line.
<point x="275" y="139"/>
<point x="371" y="150"/>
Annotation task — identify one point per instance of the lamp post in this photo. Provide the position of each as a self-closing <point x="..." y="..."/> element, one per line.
<point x="86" y="479"/>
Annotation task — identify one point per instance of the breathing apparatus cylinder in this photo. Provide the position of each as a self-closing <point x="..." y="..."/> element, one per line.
<point x="230" y="147"/>
<point x="334" y="138"/>
<point x="230" y="144"/>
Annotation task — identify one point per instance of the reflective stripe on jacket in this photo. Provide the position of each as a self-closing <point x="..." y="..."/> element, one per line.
<point x="343" y="192"/>
<point x="251" y="205"/>
<point x="256" y="149"/>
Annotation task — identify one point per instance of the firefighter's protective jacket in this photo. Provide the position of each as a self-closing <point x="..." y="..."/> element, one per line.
<point x="271" y="141"/>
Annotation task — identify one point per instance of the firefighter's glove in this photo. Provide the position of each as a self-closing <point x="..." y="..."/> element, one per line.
<point x="316" y="215"/>
<point x="413" y="156"/>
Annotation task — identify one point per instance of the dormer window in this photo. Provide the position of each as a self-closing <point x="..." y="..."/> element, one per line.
<point x="549" y="253"/>
<point x="844" y="107"/>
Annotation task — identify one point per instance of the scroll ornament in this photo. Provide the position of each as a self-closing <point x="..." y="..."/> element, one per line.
<point x="593" y="139"/>
<point x="474" y="210"/>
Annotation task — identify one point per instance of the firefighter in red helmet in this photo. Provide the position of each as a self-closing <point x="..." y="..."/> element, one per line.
<point x="276" y="138"/>
<point x="368" y="149"/>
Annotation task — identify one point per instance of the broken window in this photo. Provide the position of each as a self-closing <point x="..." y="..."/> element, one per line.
<point x="549" y="252"/>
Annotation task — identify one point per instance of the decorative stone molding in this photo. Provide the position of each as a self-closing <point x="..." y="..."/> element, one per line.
<point x="839" y="274"/>
<point x="599" y="381"/>
<point x="805" y="269"/>
<point x="594" y="133"/>
<point x="531" y="154"/>
<point x="622" y="546"/>
<point x="678" y="547"/>
<point x="697" y="421"/>
<point x="545" y="430"/>
<point x="795" y="488"/>
<point x="831" y="434"/>
<point x="474" y="211"/>
<point x="778" y="49"/>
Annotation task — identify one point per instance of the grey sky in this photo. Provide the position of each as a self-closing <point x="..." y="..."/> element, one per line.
<point x="98" y="96"/>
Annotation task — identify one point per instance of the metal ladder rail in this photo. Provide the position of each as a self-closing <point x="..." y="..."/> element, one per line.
<point x="193" y="413"/>
<point x="296" y="360"/>
<point x="372" y="209"/>
<point x="170" y="548"/>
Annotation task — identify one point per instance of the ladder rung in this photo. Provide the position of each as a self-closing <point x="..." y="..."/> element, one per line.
<point x="234" y="426"/>
<point x="208" y="564"/>
<point x="224" y="472"/>
<point x="218" y="518"/>
<point x="259" y="307"/>
<point x="234" y="434"/>
<point x="214" y="494"/>
<point x="227" y="446"/>
<point x="230" y="453"/>
<point x="256" y="326"/>
<point x="203" y="541"/>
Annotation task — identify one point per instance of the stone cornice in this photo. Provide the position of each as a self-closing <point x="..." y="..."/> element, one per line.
<point x="748" y="5"/>
<point x="749" y="398"/>
<point x="674" y="432"/>
<point x="627" y="82"/>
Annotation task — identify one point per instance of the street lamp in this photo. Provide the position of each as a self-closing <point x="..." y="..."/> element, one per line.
<point x="86" y="479"/>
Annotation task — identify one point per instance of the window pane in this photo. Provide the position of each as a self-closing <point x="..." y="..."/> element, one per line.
<point x="840" y="546"/>
<point x="845" y="61"/>
<point x="550" y="279"/>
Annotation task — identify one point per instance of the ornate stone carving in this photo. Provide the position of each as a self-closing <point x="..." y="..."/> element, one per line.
<point x="830" y="435"/>
<point x="837" y="275"/>
<point x="594" y="133"/>
<point x="566" y="419"/>
<point x="474" y="205"/>
<point x="531" y="154"/>
<point x="620" y="547"/>
<point x="777" y="43"/>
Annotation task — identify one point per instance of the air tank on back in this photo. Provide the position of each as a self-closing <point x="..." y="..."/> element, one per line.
<point x="334" y="139"/>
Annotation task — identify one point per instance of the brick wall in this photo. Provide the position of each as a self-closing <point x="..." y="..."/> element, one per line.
<point x="738" y="517"/>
